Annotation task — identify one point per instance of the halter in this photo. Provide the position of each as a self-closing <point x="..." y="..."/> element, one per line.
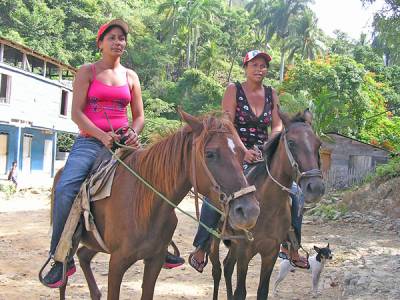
<point x="224" y="199"/>
<point x="295" y="167"/>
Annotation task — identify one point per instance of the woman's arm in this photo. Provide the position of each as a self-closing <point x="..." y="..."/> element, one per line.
<point x="136" y="109"/>
<point x="229" y="106"/>
<point x="80" y="90"/>
<point x="277" y="125"/>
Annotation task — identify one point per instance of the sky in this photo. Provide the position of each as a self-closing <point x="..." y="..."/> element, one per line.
<point x="346" y="15"/>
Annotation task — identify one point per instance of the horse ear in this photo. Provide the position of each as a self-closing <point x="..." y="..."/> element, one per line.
<point x="193" y="122"/>
<point x="317" y="249"/>
<point x="284" y="117"/>
<point x="327" y="246"/>
<point x="308" y="116"/>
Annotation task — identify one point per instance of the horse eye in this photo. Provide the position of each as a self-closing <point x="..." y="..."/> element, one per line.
<point x="210" y="154"/>
<point x="291" y="144"/>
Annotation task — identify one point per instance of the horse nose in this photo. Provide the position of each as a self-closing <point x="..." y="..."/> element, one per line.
<point x="315" y="188"/>
<point x="246" y="214"/>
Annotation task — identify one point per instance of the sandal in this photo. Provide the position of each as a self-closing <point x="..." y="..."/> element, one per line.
<point x="301" y="263"/>
<point x="198" y="266"/>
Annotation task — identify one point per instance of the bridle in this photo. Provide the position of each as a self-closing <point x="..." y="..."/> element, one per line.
<point x="297" y="174"/>
<point x="224" y="199"/>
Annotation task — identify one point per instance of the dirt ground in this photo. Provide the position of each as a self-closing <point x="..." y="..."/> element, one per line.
<point x="366" y="260"/>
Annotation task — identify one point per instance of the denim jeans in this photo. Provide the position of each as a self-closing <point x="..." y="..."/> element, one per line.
<point x="210" y="217"/>
<point x="79" y="163"/>
<point x="297" y="210"/>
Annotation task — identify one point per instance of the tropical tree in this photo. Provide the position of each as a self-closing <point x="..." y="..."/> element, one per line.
<point x="276" y="18"/>
<point x="305" y="37"/>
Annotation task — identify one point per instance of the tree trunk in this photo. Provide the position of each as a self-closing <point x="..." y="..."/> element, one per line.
<point x="188" y="50"/>
<point x="230" y="3"/>
<point x="230" y="70"/>
<point x="282" y="65"/>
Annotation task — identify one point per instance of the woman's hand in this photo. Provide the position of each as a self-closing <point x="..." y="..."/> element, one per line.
<point x="251" y="155"/>
<point x="108" y="139"/>
<point x="132" y="139"/>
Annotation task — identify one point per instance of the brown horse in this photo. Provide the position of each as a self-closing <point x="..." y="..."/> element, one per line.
<point x="292" y="155"/>
<point x="136" y="224"/>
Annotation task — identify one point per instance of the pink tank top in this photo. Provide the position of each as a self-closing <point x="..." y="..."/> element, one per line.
<point x="105" y="99"/>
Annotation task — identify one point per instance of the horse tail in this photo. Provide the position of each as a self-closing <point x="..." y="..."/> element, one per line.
<point x="53" y="190"/>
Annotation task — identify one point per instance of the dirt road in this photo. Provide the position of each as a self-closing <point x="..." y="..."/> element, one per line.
<point x="366" y="260"/>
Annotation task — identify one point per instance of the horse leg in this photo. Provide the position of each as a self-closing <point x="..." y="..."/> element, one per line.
<point x="267" y="265"/>
<point x="152" y="269"/>
<point x="216" y="267"/>
<point x="85" y="256"/>
<point x="229" y="265"/>
<point x="119" y="263"/>
<point x="241" y="269"/>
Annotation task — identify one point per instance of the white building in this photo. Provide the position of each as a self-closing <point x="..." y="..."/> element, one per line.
<point x="35" y="104"/>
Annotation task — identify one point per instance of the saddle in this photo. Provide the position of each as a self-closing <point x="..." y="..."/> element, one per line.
<point x="97" y="186"/>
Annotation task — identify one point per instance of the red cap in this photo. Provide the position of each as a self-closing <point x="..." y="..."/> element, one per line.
<point x="104" y="27"/>
<point x="255" y="53"/>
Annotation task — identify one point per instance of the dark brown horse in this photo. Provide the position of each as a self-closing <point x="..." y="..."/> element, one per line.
<point x="291" y="156"/>
<point x="136" y="224"/>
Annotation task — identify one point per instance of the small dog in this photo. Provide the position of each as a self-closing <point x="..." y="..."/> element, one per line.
<point x="316" y="262"/>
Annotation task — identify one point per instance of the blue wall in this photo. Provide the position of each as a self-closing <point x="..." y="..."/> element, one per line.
<point x="37" y="150"/>
<point x="12" y="147"/>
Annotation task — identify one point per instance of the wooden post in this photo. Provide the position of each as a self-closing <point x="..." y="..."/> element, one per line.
<point x="44" y="68"/>
<point x="24" y="61"/>
<point x="1" y="53"/>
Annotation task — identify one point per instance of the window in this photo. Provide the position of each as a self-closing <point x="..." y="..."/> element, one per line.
<point x="64" y="102"/>
<point x="5" y="87"/>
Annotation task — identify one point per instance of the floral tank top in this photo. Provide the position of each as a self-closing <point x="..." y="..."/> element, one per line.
<point x="252" y="130"/>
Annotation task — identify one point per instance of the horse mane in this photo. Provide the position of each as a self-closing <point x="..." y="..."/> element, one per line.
<point x="270" y="147"/>
<point x="163" y="162"/>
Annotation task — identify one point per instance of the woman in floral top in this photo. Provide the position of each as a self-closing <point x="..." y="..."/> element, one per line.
<point x="252" y="107"/>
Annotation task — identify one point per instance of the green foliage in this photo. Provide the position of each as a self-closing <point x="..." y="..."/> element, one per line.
<point x="65" y="141"/>
<point x="8" y="189"/>
<point x="329" y="211"/>
<point x="389" y="170"/>
<point x="334" y="86"/>
<point x="185" y="52"/>
<point x="197" y="93"/>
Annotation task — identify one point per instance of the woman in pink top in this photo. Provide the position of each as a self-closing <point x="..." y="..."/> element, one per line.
<point x="103" y="91"/>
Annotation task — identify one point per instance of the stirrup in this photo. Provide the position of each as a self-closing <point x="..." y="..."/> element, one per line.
<point x="64" y="272"/>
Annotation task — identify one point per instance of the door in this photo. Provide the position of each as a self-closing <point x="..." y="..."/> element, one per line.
<point x="26" y="154"/>
<point x="3" y="152"/>
<point x="47" y="156"/>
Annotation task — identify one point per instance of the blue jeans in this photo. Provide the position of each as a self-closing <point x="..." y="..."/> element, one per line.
<point x="210" y="217"/>
<point x="297" y="210"/>
<point x="79" y="163"/>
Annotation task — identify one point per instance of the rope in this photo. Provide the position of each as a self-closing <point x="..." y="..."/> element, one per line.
<point x="209" y="229"/>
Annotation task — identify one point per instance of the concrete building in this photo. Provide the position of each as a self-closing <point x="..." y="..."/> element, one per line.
<point x="35" y="105"/>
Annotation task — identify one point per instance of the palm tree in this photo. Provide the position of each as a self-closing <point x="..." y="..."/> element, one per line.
<point x="189" y="16"/>
<point x="305" y="37"/>
<point x="275" y="17"/>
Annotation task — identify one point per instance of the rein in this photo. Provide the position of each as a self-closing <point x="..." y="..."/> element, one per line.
<point x="223" y="198"/>
<point x="147" y="184"/>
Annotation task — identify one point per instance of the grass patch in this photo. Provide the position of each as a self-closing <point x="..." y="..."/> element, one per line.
<point x="329" y="211"/>
<point x="8" y="190"/>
